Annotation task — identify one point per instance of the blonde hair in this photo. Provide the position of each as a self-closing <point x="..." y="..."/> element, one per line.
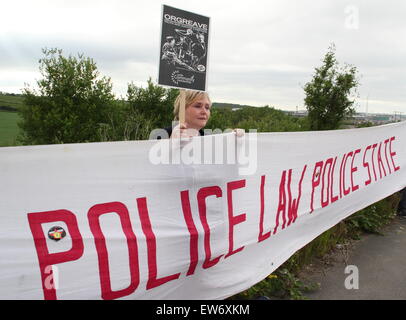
<point x="190" y="97"/>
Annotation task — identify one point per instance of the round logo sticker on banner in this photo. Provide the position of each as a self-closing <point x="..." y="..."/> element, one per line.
<point x="56" y="233"/>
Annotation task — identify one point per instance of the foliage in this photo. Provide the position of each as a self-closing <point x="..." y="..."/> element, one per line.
<point x="372" y="218"/>
<point x="71" y="103"/>
<point x="328" y="93"/>
<point x="144" y="110"/>
<point x="125" y="123"/>
<point x="281" y="284"/>
<point x="153" y="102"/>
<point x="365" y="124"/>
<point x="263" y="119"/>
<point x="317" y="248"/>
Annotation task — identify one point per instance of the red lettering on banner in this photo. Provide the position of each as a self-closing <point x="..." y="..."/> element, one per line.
<point x="333" y="198"/>
<point x="341" y="175"/>
<point x="373" y="160"/>
<point x="187" y="214"/>
<point x="354" y="169"/>
<point x="386" y="155"/>
<point x="153" y="281"/>
<point x="261" y="236"/>
<point x="286" y="215"/>
<point x="366" y="165"/>
<point x="380" y="162"/>
<point x="396" y="168"/>
<point x="100" y="242"/>
<point x="329" y="162"/>
<point x="46" y="259"/>
<point x="233" y="220"/>
<point x="315" y="181"/>
<point x="293" y="204"/>
<point x="346" y="191"/>
<point x="202" y="194"/>
<point x="290" y="209"/>
<point x="282" y="202"/>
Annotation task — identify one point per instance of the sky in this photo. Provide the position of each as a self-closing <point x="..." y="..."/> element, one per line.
<point x="260" y="52"/>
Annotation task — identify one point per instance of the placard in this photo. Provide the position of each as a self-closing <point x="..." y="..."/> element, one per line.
<point x="184" y="49"/>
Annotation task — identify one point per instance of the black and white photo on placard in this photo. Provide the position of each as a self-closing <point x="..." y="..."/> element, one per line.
<point x="184" y="49"/>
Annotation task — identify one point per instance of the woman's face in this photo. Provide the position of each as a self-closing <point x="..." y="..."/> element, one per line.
<point x="198" y="113"/>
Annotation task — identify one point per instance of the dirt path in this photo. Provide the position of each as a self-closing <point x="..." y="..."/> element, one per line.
<point x="379" y="263"/>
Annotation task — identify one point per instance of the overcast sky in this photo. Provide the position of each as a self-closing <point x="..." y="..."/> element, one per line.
<point x="260" y="52"/>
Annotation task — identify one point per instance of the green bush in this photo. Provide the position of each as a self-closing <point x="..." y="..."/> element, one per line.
<point x="71" y="102"/>
<point x="263" y="119"/>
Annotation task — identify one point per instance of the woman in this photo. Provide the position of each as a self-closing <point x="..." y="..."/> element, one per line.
<point x="197" y="113"/>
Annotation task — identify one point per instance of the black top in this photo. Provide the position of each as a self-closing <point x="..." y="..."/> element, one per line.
<point x="169" y="131"/>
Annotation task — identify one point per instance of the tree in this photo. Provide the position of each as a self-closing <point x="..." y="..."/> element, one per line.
<point x="328" y="94"/>
<point x="154" y="103"/>
<point x="125" y="123"/>
<point x="71" y="103"/>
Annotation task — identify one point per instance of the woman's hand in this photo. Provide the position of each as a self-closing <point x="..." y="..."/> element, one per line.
<point x="239" y="132"/>
<point x="182" y="131"/>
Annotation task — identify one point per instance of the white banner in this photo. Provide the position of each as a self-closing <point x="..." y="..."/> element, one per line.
<point x="159" y="220"/>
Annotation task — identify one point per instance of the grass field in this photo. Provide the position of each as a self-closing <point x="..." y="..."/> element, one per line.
<point x="13" y="101"/>
<point x="8" y="128"/>
<point x="8" y="119"/>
